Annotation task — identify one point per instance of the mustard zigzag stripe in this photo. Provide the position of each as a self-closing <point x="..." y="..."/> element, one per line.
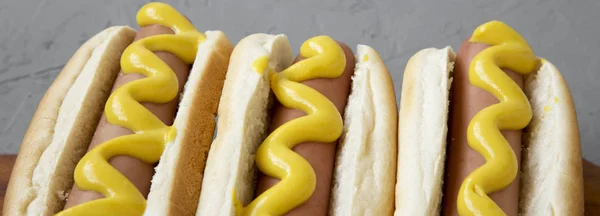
<point x="123" y="108"/>
<point x="323" y="123"/>
<point x="508" y="50"/>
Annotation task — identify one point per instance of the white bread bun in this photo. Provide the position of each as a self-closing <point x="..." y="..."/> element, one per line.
<point x="62" y="126"/>
<point x="176" y="185"/>
<point x="242" y="124"/>
<point x="366" y="157"/>
<point x="422" y="131"/>
<point x="551" y="169"/>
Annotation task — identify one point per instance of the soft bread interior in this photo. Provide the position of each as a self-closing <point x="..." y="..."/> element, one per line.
<point x="176" y="185"/>
<point x="62" y="127"/>
<point x="366" y="157"/>
<point x="242" y="124"/>
<point x="422" y="131"/>
<point x="551" y="170"/>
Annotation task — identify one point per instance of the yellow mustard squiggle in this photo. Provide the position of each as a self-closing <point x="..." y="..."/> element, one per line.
<point x="508" y="50"/>
<point x="323" y="123"/>
<point x="123" y="108"/>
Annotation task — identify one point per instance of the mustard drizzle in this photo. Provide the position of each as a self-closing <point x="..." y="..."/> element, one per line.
<point x="260" y="64"/>
<point x="513" y="112"/>
<point x="323" y="123"/>
<point x="123" y="108"/>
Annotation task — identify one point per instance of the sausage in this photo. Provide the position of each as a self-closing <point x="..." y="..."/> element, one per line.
<point x="321" y="156"/>
<point x="466" y="101"/>
<point x="138" y="172"/>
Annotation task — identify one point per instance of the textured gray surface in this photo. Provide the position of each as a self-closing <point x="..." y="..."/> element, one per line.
<point x="38" y="37"/>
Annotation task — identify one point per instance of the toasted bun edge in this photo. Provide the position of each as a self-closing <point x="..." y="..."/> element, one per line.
<point x="177" y="182"/>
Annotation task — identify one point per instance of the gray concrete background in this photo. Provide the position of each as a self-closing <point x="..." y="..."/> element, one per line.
<point x="38" y="37"/>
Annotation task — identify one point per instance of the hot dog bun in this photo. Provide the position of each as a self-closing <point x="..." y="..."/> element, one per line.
<point x="243" y="122"/>
<point x="422" y="130"/>
<point x="67" y="116"/>
<point x="551" y="170"/>
<point x="62" y="126"/>
<point x="366" y="155"/>
<point x="177" y="182"/>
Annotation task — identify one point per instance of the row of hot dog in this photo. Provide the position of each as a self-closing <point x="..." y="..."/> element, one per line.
<point x="127" y="129"/>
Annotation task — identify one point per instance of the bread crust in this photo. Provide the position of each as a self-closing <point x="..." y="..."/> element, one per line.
<point x="176" y="185"/>
<point x="40" y="133"/>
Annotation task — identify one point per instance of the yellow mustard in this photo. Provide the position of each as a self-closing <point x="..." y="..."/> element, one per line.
<point x="123" y="108"/>
<point x="323" y="123"/>
<point x="260" y="64"/>
<point x="507" y="50"/>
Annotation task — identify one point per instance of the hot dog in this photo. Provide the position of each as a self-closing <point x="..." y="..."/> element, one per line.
<point x="283" y="158"/>
<point x="105" y="144"/>
<point x="320" y="156"/>
<point x="460" y="155"/>
<point x="509" y="122"/>
<point x="136" y="171"/>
